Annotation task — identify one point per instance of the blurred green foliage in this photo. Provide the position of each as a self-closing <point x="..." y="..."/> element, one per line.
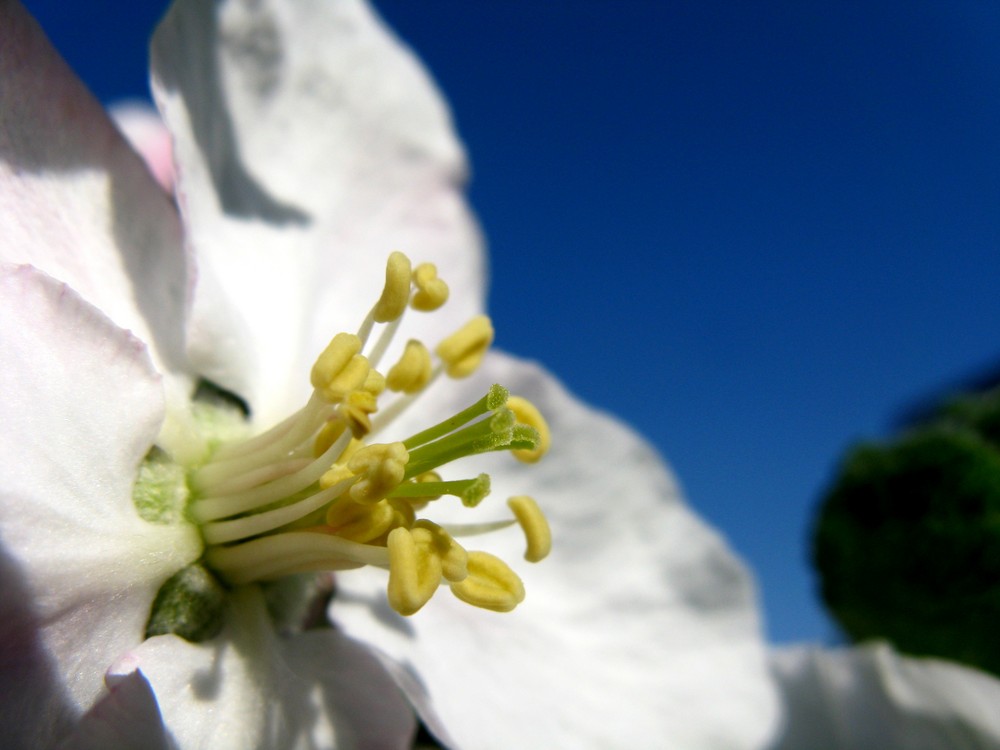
<point x="907" y="540"/>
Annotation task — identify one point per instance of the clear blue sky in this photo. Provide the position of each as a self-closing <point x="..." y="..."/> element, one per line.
<point x="756" y="231"/>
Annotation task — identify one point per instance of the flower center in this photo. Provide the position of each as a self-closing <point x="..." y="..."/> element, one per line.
<point x="317" y="491"/>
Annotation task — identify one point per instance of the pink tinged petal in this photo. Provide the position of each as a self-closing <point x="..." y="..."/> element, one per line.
<point x="309" y="145"/>
<point x="142" y="127"/>
<point x="127" y="718"/>
<point x="639" y="630"/>
<point x="871" y="696"/>
<point x="250" y="688"/>
<point x="77" y="201"/>
<point x="81" y="406"/>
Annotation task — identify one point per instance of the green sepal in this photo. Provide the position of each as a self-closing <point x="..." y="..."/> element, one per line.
<point x="190" y="604"/>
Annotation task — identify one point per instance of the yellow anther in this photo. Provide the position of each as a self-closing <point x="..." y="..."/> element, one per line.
<point x="381" y="468"/>
<point x="336" y="473"/>
<point x="355" y="411"/>
<point x="405" y="513"/>
<point x="431" y="292"/>
<point x="334" y="359"/>
<point x="491" y="584"/>
<point x="360" y="523"/>
<point x="374" y="383"/>
<point x="349" y="379"/>
<point x="414" y="572"/>
<point x="526" y="413"/>
<point x="396" y="292"/>
<point x="463" y="350"/>
<point x="413" y="369"/>
<point x="339" y="471"/>
<point x="454" y="558"/>
<point x="535" y="526"/>
<point x="327" y="436"/>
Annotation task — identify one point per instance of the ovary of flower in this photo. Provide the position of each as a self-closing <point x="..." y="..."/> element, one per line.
<point x="312" y="494"/>
<point x="464" y="350"/>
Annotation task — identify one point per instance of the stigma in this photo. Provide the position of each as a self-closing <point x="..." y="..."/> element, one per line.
<point x="321" y="491"/>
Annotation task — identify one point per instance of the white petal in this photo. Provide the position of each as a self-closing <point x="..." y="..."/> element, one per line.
<point x="34" y="712"/>
<point x="640" y="629"/>
<point x="81" y="406"/>
<point x="125" y="719"/>
<point x="77" y="201"/>
<point x="145" y="131"/>
<point x="309" y="145"/>
<point x="872" y="697"/>
<point x="250" y="688"/>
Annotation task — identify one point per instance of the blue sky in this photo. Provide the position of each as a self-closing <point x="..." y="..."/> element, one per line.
<point x="755" y="231"/>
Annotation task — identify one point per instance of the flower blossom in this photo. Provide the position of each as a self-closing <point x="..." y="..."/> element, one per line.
<point x="160" y="353"/>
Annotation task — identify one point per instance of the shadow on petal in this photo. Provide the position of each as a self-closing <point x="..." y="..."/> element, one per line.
<point x="34" y="707"/>
<point x="190" y="70"/>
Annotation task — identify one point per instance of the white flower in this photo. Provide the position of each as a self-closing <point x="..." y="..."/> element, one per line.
<point x="308" y="144"/>
<point x="872" y="697"/>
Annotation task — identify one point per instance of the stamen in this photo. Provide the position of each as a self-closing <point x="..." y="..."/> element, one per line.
<point x="310" y="494"/>
<point x="463" y="351"/>
<point x="413" y="370"/>
<point x="454" y="558"/>
<point x="382" y="468"/>
<point x="272" y="557"/>
<point x="362" y="523"/>
<point x="415" y="571"/>
<point x="535" y="526"/>
<point x="340" y="369"/>
<point x="396" y="292"/>
<point x="528" y="414"/>
<point x="354" y="412"/>
<point x="374" y="383"/>
<point x="350" y="378"/>
<point x="220" y="532"/>
<point x="273" y="445"/>
<point x="431" y="292"/>
<point x="327" y="436"/>
<point x="491" y="584"/>
<point x="217" y="507"/>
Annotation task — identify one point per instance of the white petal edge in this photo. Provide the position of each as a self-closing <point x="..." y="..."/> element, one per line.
<point x="143" y="127"/>
<point x="78" y="202"/>
<point x="309" y="145"/>
<point x="251" y="688"/>
<point x="127" y="718"/>
<point x="873" y="697"/>
<point x="640" y="629"/>
<point x="82" y="405"/>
